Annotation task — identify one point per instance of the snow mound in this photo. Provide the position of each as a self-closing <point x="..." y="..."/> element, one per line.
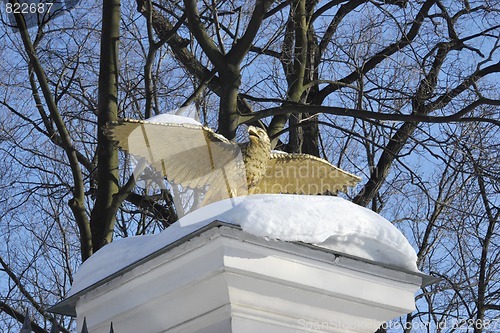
<point x="326" y="221"/>
<point x="172" y="119"/>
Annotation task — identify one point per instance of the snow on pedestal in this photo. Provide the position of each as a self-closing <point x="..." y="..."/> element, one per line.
<point x="274" y="263"/>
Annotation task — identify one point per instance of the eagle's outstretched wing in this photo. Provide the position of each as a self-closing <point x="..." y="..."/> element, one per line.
<point x="187" y="154"/>
<point x="303" y="174"/>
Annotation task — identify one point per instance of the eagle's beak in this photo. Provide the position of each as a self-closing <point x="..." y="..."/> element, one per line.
<point x="252" y="131"/>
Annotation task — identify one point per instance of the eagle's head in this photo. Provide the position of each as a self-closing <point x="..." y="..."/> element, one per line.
<point x="256" y="155"/>
<point x="258" y="136"/>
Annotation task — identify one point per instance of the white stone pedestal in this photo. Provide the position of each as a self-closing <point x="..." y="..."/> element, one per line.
<point x="222" y="279"/>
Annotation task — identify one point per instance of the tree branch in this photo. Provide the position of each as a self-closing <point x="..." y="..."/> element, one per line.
<point x="240" y="49"/>
<point x="77" y="203"/>
<point x="364" y="114"/>
<point x="469" y="81"/>
<point x="178" y="45"/>
<point x="160" y="212"/>
<point x="15" y="314"/>
<point x="200" y="33"/>
<point x="4" y="307"/>
<point x="380" y="56"/>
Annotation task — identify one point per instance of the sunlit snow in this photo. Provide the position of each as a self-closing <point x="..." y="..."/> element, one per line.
<point x="172" y="119"/>
<point x="326" y="221"/>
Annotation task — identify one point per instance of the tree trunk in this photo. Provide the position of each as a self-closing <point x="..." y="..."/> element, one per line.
<point x="228" y="115"/>
<point x="103" y="215"/>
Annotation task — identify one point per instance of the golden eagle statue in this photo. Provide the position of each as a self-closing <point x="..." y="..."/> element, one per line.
<point x="196" y="157"/>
